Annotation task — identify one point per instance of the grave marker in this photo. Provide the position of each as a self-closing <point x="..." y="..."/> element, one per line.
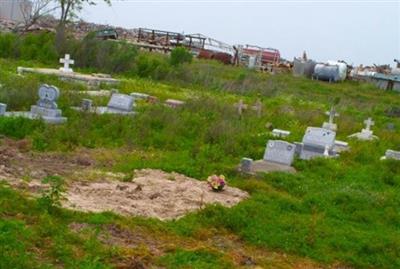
<point x="281" y="152"/>
<point x="330" y="125"/>
<point x="240" y="106"/>
<point x="67" y="61"/>
<point x="3" y="109"/>
<point x="367" y="133"/>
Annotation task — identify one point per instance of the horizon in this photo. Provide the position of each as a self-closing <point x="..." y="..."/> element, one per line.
<point x="323" y="36"/>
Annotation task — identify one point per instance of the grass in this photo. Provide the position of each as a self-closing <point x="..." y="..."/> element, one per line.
<point x="343" y="210"/>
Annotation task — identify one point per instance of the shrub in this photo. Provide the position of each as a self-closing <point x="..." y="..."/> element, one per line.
<point x="179" y="56"/>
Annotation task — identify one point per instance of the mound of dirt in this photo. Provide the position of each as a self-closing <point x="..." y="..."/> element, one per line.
<point x="152" y="193"/>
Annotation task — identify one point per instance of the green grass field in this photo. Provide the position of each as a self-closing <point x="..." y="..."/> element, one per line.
<point x="342" y="211"/>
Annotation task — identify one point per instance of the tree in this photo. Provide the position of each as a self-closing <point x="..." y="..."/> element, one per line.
<point x="68" y="9"/>
<point x="38" y="9"/>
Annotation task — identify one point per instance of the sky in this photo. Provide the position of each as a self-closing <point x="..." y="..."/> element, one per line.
<point x="359" y="32"/>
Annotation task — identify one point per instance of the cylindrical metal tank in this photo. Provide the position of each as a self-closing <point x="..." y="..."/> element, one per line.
<point x="342" y="69"/>
<point x="303" y="68"/>
<point x="326" y="72"/>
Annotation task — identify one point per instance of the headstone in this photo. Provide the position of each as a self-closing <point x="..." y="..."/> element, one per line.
<point x="138" y="95"/>
<point x="3" y="109"/>
<point x="174" y="103"/>
<point x="240" y="107"/>
<point x="330" y="125"/>
<point x="316" y="141"/>
<point x="341" y="146"/>
<point x="86" y="104"/>
<point x="121" y="102"/>
<point x="391" y="155"/>
<point x="258" y="107"/>
<point x="245" y="165"/>
<point x="112" y="91"/>
<point x="66" y="61"/>
<point x="279" y="151"/>
<point x="280" y="133"/>
<point x="367" y="133"/>
<point x="152" y="99"/>
<point x="390" y="126"/>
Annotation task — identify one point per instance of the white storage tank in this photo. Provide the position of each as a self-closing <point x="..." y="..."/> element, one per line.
<point x="342" y="69"/>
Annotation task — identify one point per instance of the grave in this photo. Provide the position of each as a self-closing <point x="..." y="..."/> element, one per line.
<point x="257" y="107"/>
<point x="66" y="61"/>
<point x="86" y="104"/>
<point x="367" y="133"/>
<point x="391" y="155"/>
<point x="280" y="133"/>
<point x="278" y="157"/>
<point x="122" y="104"/>
<point x="139" y="95"/>
<point x="330" y="125"/>
<point x="241" y="106"/>
<point x="174" y="103"/>
<point x="3" y="109"/>
<point x="45" y="109"/>
<point x="317" y="142"/>
<point x="66" y="73"/>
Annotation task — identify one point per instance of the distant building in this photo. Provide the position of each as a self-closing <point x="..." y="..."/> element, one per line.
<point x="14" y="10"/>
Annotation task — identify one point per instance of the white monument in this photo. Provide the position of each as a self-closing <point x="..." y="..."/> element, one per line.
<point x="67" y="61"/>
<point x="367" y="133"/>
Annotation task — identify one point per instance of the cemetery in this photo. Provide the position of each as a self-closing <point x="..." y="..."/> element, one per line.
<point x="176" y="162"/>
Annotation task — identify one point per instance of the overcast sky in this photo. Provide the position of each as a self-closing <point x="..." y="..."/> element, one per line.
<point x="355" y="31"/>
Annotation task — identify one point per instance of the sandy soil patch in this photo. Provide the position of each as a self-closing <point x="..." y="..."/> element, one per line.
<point x="152" y="193"/>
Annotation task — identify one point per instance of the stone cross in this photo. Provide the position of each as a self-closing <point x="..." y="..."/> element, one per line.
<point x="258" y="107"/>
<point x="332" y="114"/>
<point x="368" y="123"/>
<point x="240" y="107"/>
<point x="66" y="61"/>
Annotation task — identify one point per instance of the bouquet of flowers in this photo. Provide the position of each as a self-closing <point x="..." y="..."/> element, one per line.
<point x="217" y="183"/>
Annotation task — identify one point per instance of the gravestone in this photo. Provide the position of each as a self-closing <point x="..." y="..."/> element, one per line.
<point x="330" y="125"/>
<point x="367" y="133"/>
<point x="391" y="155"/>
<point x="46" y="108"/>
<point x="174" y="103"/>
<point x="316" y="142"/>
<point x="86" y="104"/>
<point x="257" y="107"/>
<point x="66" y="61"/>
<point x="139" y="95"/>
<point x="121" y="102"/>
<point x="245" y="165"/>
<point x="280" y="133"/>
<point x="281" y="152"/>
<point x="240" y="106"/>
<point x="3" y="109"/>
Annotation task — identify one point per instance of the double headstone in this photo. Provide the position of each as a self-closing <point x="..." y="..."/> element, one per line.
<point x="317" y="142"/>
<point x="47" y="108"/>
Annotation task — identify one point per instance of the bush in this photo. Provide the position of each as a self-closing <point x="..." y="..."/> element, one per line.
<point x="180" y="56"/>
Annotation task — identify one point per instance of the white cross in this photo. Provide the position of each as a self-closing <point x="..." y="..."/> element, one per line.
<point x="332" y="114"/>
<point x="368" y="123"/>
<point x="66" y="61"/>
